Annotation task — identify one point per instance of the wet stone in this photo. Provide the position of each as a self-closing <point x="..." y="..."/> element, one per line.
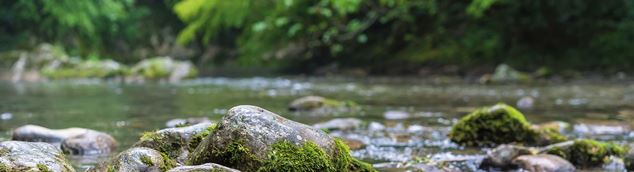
<point x="138" y="159"/>
<point x="250" y="138"/>
<point x="75" y="141"/>
<point x="18" y="156"/>
<point x="340" y="124"/>
<point x="208" y="167"/>
<point x="502" y="156"/>
<point x="179" y="122"/>
<point x="543" y="163"/>
<point x="176" y="142"/>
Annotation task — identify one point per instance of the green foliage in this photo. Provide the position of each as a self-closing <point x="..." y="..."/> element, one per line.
<point x="88" y="25"/>
<point x="377" y="34"/>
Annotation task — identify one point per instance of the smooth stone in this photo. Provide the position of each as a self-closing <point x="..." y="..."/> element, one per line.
<point x="208" y="167"/>
<point x="600" y="129"/>
<point x="137" y="159"/>
<point x="175" y="142"/>
<point x="395" y="115"/>
<point x="34" y="133"/>
<point x="89" y="143"/>
<point x="186" y="121"/>
<point x="525" y="102"/>
<point x="354" y="144"/>
<point x="340" y="124"/>
<point x="375" y="126"/>
<point x="543" y="163"/>
<point x="76" y="141"/>
<point x="502" y="156"/>
<point x="307" y="103"/>
<point x="32" y="156"/>
<point x="559" y="126"/>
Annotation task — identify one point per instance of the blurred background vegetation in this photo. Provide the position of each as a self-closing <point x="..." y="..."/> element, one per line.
<point x="312" y="36"/>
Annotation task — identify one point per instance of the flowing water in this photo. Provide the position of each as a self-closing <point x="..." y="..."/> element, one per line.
<point x="407" y="118"/>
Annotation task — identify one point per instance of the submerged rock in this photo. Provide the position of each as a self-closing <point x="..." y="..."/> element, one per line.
<point x="209" y="167"/>
<point x="77" y="141"/>
<point x="176" y="142"/>
<point x="543" y="163"/>
<point x="587" y="153"/>
<point x="499" y="124"/>
<point x="339" y="124"/>
<point x="318" y="105"/>
<point x="180" y="122"/>
<point x="250" y="138"/>
<point x="502" y="156"/>
<point x="29" y="156"/>
<point x="138" y="159"/>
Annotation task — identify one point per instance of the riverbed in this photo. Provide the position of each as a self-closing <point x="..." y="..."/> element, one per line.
<point x="405" y="119"/>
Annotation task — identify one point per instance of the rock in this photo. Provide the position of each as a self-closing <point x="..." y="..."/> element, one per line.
<point x="209" y="167"/>
<point x="164" y="68"/>
<point x="30" y="156"/>
<point x="34" y="133"/>
<point x="543" y="163"/>
<point x="354" y="144"/>
<point x="89" y="143"/>
<point x="179" y="122"/>
<point x="176" y="142"/>
<point x="137" y="159"/>
<point x="375" y="126"/>
<point x="526" y="102"/>
<point x="87" y="69"/>
<point x="629" y="159"/>
<point x="317" y="105"/>
<point x="586" y="153"/>
<point x="77" y="141"/>
<point x="340" y="124"/>
<point x="559" y="126"/>
<point x="505" y="73"/>
<point x="600" y="129"/>
<point x="249" y="138"/>
<point x="614" y="164"/>
<point x="499" y="124"/>
<point x="502" y="156"/>
<point x="395" y="115"/>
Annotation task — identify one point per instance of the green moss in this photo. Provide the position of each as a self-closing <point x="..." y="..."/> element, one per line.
<point x="587" y="153"/>
<point x="286" y="156"/>
<point x="550" y="135"/>
<point x="495" y="125"/>
<point x="111" y="169"/>
<point x="168" y="163"/>
<point x="147" y="160"/>
<point x="3" y="168"/>
<point x="163" y="143"/>
<point x="43" y="168"/>
<point x="235" y="154"/>
<point x="196" y="139"/>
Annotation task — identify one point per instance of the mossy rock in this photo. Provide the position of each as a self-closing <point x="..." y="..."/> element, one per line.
<point x="163" y="68"/>
<point x="317" y="105"/>
<point x="87" y="69"/>
<point x="137" y="159"/>
<point x="587" y="153"/>
<point x="18" y="156"/>
<point x="176" y="142"/>
<point x="208" y="167"/>
<point x="250" y="138"/>
<point x="499" y="124"/>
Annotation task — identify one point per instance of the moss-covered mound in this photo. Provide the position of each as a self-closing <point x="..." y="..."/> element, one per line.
<point x="588" y="153"/>
<point x="499" y="124"/>
<point x="174" y="142"/>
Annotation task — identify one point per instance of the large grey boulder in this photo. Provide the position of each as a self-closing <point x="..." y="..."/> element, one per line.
<point x="176" y="142"/>
<point x="250" y="138"/>
<point x="75" y="141"/>
<point x="137" y="159"/>
<point x="16" y="156"/>
<point x="209" y="167"/>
